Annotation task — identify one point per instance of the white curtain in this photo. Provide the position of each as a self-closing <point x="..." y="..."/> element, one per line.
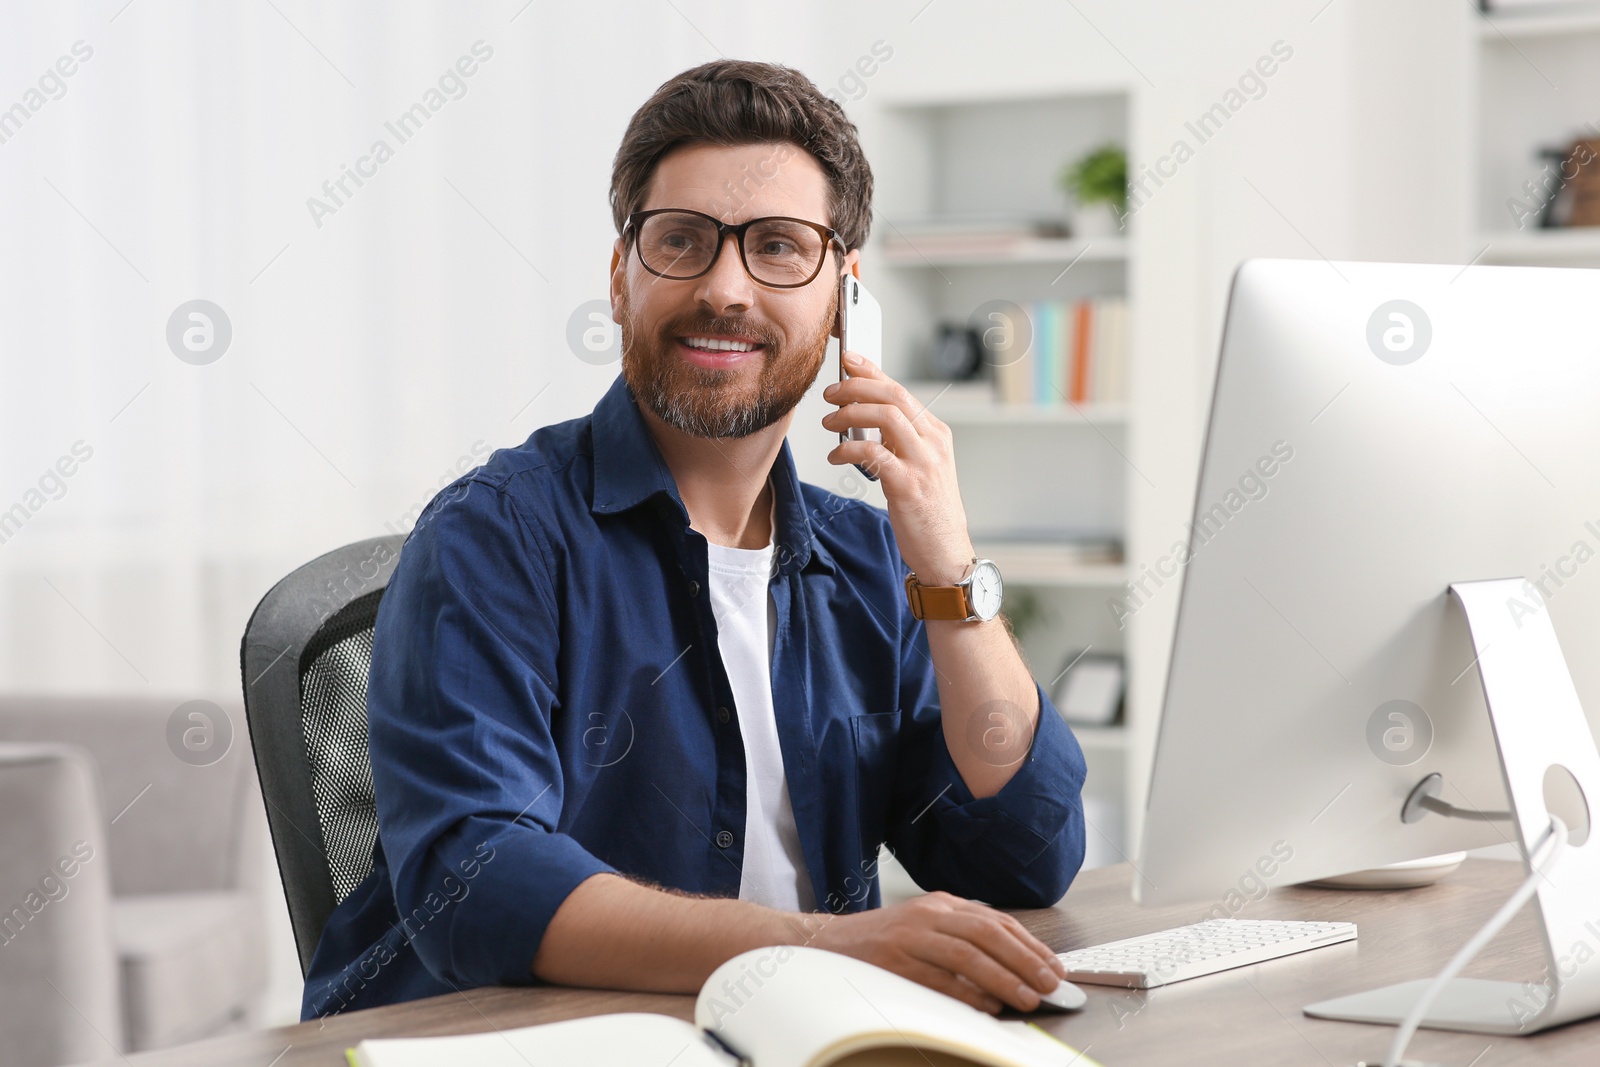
<point x="384" y="335"/>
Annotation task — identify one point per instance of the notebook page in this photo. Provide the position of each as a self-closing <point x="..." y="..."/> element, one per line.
<point x="803" y="1007"/>
<point x="625" y="1040"/>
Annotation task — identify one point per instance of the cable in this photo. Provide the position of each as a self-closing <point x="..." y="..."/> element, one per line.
<point x="1551" y="845"/>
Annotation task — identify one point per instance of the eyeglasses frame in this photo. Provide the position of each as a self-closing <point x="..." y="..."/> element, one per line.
<point x="635" y="221"/>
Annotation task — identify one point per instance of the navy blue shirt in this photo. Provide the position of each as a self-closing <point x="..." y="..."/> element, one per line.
<point x="547" y="702"/>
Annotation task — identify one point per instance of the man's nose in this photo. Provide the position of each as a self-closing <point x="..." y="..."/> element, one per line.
<point x="727" y="287"/>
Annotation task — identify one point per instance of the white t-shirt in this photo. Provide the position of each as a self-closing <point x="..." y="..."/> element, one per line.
<point x="774" y="871"/>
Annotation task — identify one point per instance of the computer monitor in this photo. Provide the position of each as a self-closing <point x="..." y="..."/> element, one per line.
<point x="1378" y="432"/>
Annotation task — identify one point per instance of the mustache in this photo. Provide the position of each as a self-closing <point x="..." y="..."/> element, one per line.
<point x="737" y="325"/>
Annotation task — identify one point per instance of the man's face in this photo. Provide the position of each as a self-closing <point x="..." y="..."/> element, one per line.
<point x="689" y="383"/>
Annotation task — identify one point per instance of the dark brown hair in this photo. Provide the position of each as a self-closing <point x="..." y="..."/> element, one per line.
<point x="737" y="102"/>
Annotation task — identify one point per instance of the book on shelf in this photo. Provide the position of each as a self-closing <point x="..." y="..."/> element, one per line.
<point x="1078" y="355"/>
<point x="967" y="236"/>
<point x="770" y="1007"/>
<point x="1052" y="551"/>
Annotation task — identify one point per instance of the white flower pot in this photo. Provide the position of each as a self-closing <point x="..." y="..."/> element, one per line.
<point x="1092" y="221"/>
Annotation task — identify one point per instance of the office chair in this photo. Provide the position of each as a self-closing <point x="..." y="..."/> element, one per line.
<point x="304" y="659"/>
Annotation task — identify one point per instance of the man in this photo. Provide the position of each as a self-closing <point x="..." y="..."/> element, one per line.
<point x="640" y="700"/>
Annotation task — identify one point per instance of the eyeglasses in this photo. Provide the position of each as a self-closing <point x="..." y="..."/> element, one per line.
<point x="777" y="251"/>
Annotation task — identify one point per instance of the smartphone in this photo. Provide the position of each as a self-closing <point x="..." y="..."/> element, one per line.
<point x="860" y="331"/>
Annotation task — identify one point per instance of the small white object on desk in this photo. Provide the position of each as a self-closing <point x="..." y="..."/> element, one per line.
<point x="1065" y="997"/>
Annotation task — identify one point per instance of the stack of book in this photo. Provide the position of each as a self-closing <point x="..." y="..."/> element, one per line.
<point x="958" y="237"/>
<point x="1079" y="355"/>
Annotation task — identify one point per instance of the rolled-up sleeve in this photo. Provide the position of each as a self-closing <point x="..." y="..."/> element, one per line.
<point x="465" y="769"/>
<point x="1020" y="847"/>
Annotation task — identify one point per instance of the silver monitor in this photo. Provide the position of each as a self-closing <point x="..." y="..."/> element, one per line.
<point x="1378" y="432"/>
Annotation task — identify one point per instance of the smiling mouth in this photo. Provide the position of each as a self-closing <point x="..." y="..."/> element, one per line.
<point x="719" y="346"/>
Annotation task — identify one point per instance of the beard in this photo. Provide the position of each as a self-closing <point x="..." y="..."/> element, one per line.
<point x="703" y="402"/>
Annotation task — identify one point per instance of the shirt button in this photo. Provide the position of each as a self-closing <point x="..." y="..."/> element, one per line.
<point x="724" y="838"/>
<point x="694" y="588"/>
<point x="723" y="716"/>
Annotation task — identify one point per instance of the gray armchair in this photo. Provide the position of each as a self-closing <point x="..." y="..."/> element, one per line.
<point x="56" y="940"/>
<point x="166" y="914"/>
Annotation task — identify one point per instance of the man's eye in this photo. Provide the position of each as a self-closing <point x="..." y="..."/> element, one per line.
<point x="678" y="240"/>
<point x="776" y="247"/>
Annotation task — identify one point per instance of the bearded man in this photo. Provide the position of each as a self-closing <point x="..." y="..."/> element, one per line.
<point x="641" y="700"/>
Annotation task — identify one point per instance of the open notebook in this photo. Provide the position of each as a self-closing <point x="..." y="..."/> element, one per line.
<point x="771" y="1007"/>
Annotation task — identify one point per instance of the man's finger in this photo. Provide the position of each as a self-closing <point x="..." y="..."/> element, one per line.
<point x="1045" y="953"/>
<point x="1004" y="946"/>
<point x="962" y="957"/>
<point x="898" y="433"/>
<point x="872" y="455"/>
<point x="951" y="985"/>
<point x="1012" y="923"/>
<point x="883" y="390"/>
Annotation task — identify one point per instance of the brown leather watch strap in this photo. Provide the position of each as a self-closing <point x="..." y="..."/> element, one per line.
<point x="937" y="602"/>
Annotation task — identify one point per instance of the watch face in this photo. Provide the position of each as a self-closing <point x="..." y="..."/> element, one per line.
<point x="985" y="590"/>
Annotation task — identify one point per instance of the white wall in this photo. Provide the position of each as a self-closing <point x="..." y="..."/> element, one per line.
<point x="372" y="353"/>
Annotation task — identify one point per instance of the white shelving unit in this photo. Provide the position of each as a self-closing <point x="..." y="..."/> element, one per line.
<point x="1536" y="79"/>
<point x="1037" y="480"/>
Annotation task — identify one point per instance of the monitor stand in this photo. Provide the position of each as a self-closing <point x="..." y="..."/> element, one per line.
<point x="1538" y="723"/>
<point x="1407" y="874"/>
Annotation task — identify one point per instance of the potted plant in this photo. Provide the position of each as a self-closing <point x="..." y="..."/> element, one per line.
<point x="1098" y="183"/>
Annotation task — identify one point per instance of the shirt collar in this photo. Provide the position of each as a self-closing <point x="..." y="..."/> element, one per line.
<point x="629" y="470"/>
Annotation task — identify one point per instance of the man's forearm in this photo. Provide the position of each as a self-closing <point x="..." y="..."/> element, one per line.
<point x="988" y="699"/>
<point x="611" y="933"/>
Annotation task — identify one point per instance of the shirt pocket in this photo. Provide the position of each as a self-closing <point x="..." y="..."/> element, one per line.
<point x="877" y="745"/>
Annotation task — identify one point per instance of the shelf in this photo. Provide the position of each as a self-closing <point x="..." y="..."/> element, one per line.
<point x="1579" y="244"/>
<point x="1501" y="29"/>
<point x="902" y="252"/>
<point x="994" y="413"/>
<point x="1045" y="563"/>
<point x="973" y="404"/>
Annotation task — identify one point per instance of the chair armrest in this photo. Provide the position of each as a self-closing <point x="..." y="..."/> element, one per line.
<point x="59" y="993"/>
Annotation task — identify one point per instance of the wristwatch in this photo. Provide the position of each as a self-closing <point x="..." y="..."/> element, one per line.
<point x="976" y="598"/>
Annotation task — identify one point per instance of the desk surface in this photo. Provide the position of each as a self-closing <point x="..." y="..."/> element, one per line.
<point x="1246" y="1016"/>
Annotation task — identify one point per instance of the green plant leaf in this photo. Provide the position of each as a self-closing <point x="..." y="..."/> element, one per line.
<point x="1101" y="177"/>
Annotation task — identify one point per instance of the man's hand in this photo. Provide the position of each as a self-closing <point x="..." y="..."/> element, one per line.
<point x="987" y="696"/>
<point x="915" y="463"/>
<point x="968" y="950"/>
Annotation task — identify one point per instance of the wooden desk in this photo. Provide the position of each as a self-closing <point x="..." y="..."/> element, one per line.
<point x="1246" y="1016"/>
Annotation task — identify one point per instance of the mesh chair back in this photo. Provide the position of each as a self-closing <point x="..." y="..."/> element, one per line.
<point x="305" y="657"/>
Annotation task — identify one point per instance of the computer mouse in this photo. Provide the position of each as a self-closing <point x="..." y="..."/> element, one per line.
<point x="1067" y="997"/>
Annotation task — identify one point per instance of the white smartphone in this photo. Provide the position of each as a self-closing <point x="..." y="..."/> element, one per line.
<point x="860" y="331"/>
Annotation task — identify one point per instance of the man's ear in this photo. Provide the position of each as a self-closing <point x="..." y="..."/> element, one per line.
<point x="617" y="273"/>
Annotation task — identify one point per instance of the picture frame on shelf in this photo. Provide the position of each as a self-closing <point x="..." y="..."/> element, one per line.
<point x="1089" y="691"/>
<point x="957" y="354"/>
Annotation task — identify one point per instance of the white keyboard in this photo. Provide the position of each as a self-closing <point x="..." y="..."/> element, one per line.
<point x="1191" y="951"/>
